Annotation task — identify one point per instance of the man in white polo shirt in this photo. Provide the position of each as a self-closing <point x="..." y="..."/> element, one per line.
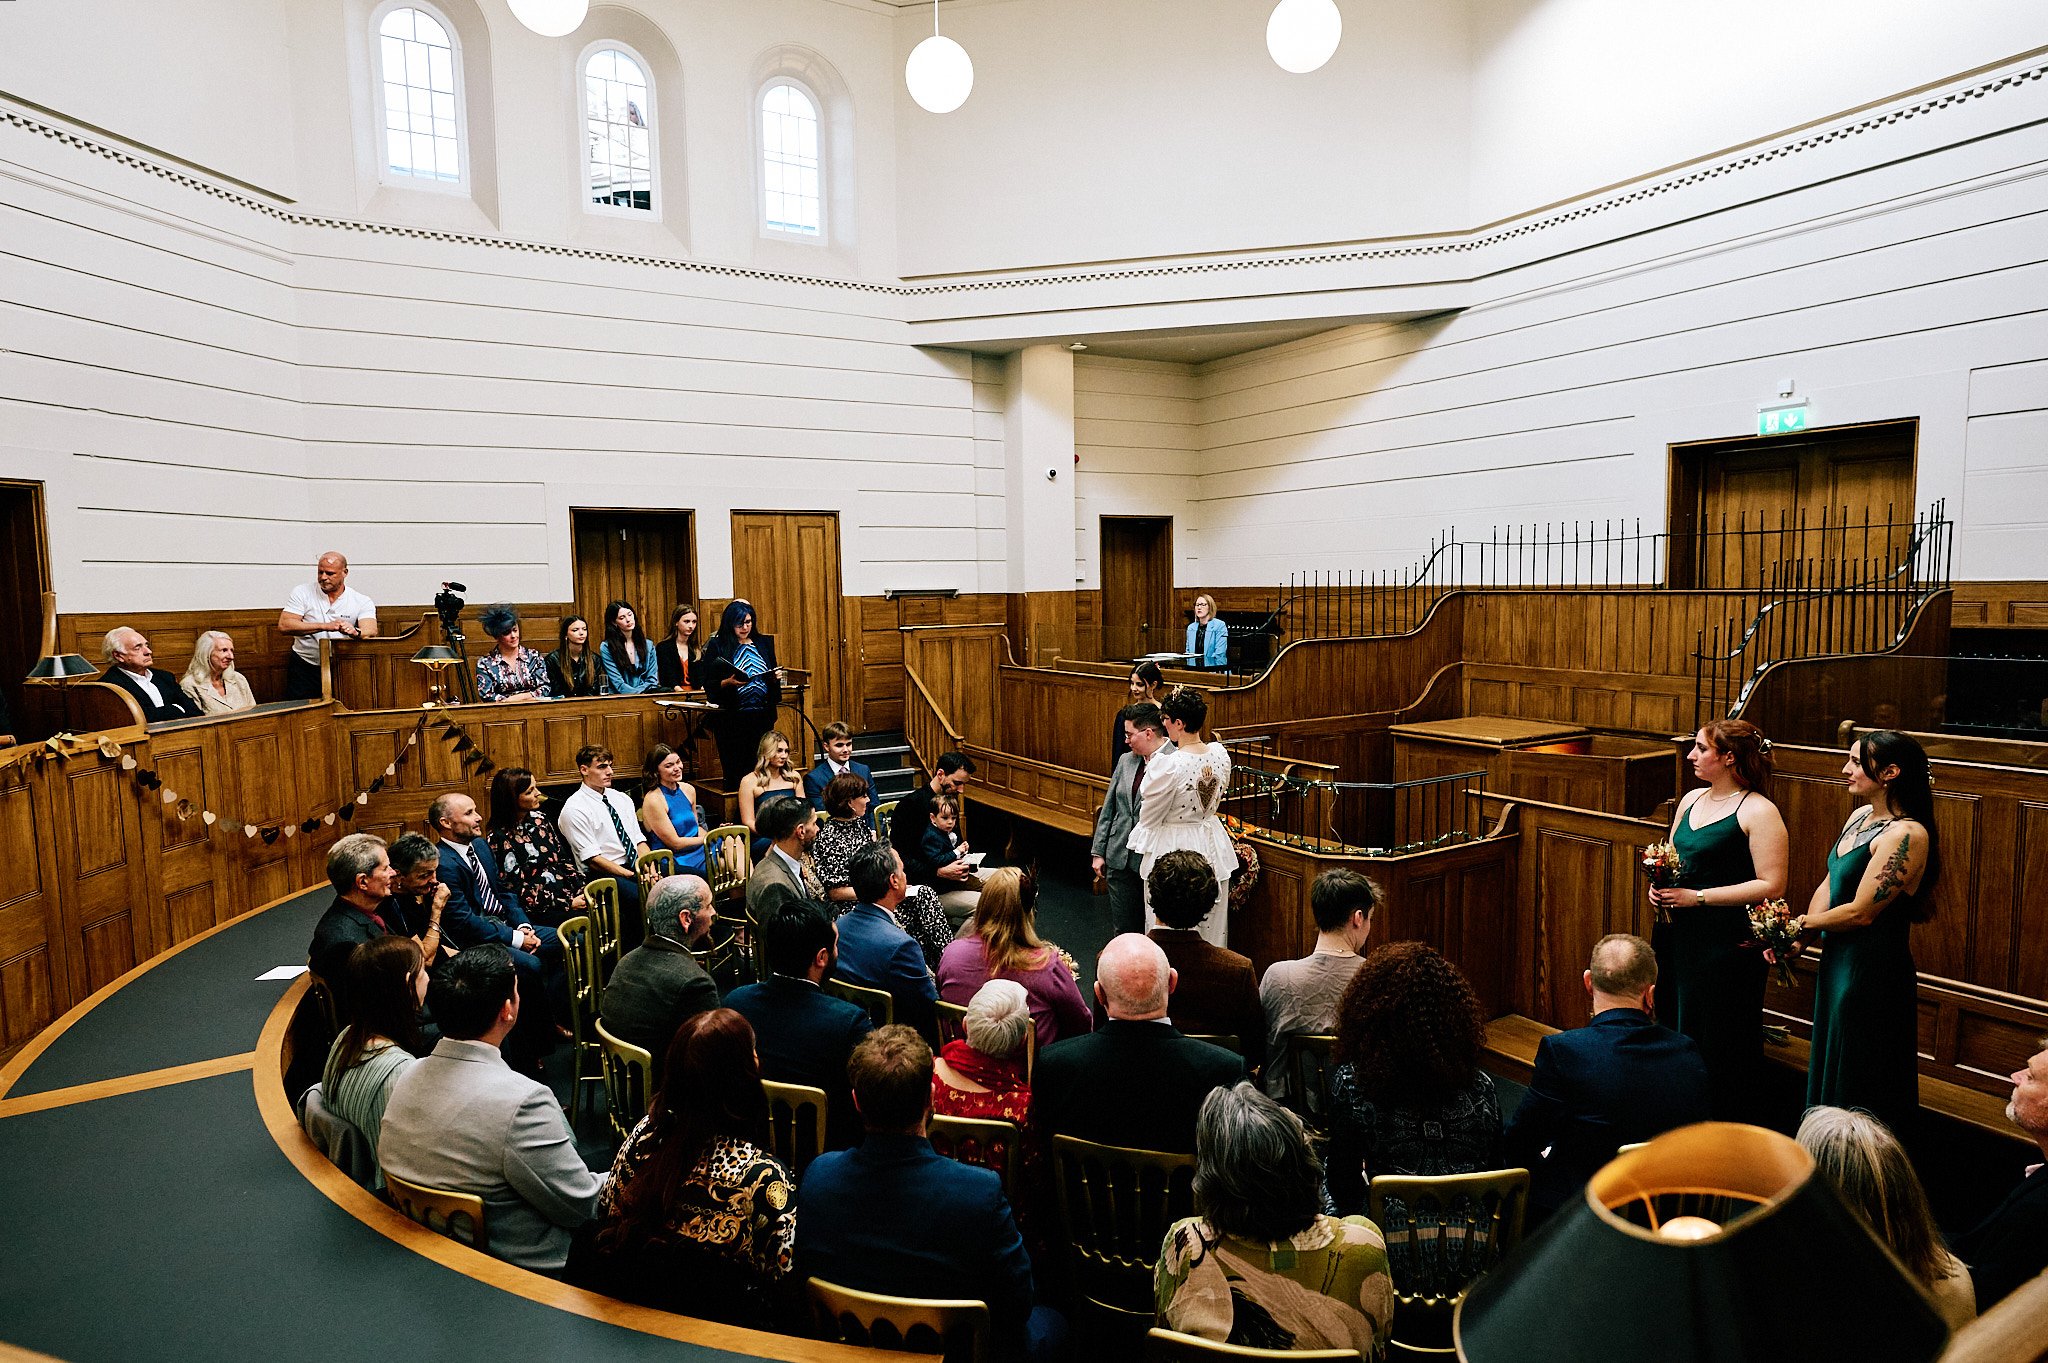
<point x="604" y="831"/>
<point x="327" y="608"/>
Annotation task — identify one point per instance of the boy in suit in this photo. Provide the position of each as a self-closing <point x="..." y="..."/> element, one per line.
<point x="838" y="759"/>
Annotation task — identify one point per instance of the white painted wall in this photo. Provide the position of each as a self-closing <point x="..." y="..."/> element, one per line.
<point x="1136" y="432"/>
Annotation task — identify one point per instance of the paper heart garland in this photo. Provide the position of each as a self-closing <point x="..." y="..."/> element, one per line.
<point x="210" y="817"/>
<point x="128" y="762"/>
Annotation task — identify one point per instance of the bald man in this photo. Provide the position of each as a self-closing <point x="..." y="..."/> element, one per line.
<point x="132" y="667"/>
<point x="1135" y="1081"/>
<point x="325" y="608"/>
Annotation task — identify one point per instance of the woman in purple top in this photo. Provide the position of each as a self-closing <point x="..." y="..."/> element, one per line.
<point x="1005" y="945"/>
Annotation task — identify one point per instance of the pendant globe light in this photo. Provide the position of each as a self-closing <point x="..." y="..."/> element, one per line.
<point x="1303" y="34"/>
<point x="550" y="18"/>
<point x="939" y="74"/>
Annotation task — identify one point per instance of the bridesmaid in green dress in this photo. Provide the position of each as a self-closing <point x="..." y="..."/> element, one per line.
<point x="1733" y="843"/>
<point x="1881" y="873"/>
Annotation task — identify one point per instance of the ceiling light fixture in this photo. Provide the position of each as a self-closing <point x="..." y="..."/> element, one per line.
<point x="550" y="18"/>
<point x="939" y="74"/>
<point x="1303" y="34"/>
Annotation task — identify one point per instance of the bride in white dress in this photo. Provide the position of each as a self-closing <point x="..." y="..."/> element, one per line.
<point x="1183" y="788"/>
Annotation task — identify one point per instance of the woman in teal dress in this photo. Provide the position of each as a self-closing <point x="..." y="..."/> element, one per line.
<point x="1711" y="977"/>
<point x="1881" y="873"/>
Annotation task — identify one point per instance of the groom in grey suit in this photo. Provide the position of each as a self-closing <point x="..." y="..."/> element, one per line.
<point x="1115" y="862"/>
<point x="464" y="1121"/>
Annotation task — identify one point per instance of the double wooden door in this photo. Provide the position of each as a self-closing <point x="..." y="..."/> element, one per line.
<point x="787" y="564"/>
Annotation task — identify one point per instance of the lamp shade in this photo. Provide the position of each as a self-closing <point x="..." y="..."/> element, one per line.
<point x="61" y="667"/>
<point x="436" y="655"/>
<point x="1303" y="34"/>
<point x="939" y="74"/>
<point x="1770" y="1265"/>
<point x="550" y="18"/>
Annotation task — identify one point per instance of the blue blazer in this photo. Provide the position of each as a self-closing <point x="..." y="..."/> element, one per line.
<point x="892" y="1215"/>
<point x="464" y="921"/>
<point x="875" y="951"/>
<point x="1215" y="650"/>
<point x="805" y="1036"/>
<point x="1620" y="1078"/>
<point x="624" y="683"/>
<point x="820" y="776"/>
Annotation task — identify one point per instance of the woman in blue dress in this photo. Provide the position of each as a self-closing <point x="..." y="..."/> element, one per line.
<point x="739" y="674"/>
<point x="668" y="811"/>
<point x="1881" y="873"/>
<point x="628" y="657"/>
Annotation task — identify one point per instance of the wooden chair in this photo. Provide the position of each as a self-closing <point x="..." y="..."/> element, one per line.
<point x="882" y="815"/>
<point x="796" y="1122"/>
<point x="927" y="1325"/>
<point x="1171" y="1346"/>
<point x="1115" y="1206"/>
<point x="603" y="895"/>
<point x="1442" y="1233"/>
<point x="728" y="861"/>
<point x="953" y="1027"/>
<point x="982" y="1142"/>
<point x="1228" y="1042"/>
<point x="628" y="1081"/>
<point x="1312" y="1055"/>
<point x="579" y="958"/>
<point x="440" y="1211"/>
<point x="880" y="1006"/>
<point x="656" y="863"/>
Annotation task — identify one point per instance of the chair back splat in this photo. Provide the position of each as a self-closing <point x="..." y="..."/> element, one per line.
<point x="628" y="1081"/>
<point x="1115" y="1206"/>
<point x="1442" y="1233"/>
<point x="980" y="1141"/>
<point x="579" y="958"/>
<point x="881" y="1007"/>
<point x="603" y="896"/>
<point x="957" y="1329"/>
<point x="796" y="1123"/>
<point x="459" y="1216"/>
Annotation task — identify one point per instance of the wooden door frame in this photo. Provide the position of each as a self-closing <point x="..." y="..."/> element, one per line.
<point x="1172" y="591"/>
<point x="1683" y="480"/>
<point x="35" y="488"/>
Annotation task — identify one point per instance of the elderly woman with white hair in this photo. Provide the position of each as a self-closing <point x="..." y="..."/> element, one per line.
<point x="211" y="679"/>
<point x="982" y="1074"/>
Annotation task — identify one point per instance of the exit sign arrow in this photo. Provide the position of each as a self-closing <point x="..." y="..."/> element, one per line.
<point x="1780" y="420"/>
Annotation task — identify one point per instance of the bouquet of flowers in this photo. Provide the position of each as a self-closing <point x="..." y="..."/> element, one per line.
<point x="1776" y="930"/>
<point x="1663" y="865"/>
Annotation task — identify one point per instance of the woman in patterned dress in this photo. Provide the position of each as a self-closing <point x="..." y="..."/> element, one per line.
<point x="1261" y="1264"/>
<point x="697" y="1216"/>
<point x="532" y="856"/>
<point x="511" y="671"/>
<point x="845" y="832"/>
<point x="1183" y="789"/>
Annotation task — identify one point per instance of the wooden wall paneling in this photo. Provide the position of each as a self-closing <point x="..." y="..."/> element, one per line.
<point x="35" y="969"/>
<point x="2003" y="603"/>
<point x="96" y="818"/>
<point x="1042" y="626"/>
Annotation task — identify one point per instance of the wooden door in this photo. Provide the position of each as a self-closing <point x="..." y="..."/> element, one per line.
<point x="1138" y="616"/>
<point x="1824" y="504"/>
<point x="787" y="564"/>
<point x="644" y="558"/>
<point x="24" y="577"/>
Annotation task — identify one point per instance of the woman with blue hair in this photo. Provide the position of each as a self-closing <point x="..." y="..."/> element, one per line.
<point x="739" y="675"/>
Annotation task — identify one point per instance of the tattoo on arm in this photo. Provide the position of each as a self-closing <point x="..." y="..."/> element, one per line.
<point x="1893" y="877"/>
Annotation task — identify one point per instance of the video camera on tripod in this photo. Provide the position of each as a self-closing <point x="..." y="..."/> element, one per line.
<point x="449" y="606"/>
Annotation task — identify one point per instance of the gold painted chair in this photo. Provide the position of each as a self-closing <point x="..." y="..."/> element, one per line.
<point x="880" y="1006"/>
<point x="953" y="1027"/>
<point x="1115" y="1206"/>
<point x="1442" y="1233"/>
<point x="579" y="959"/>
<point x="1228" y="1041"/>
<point x="796" y="1123"/>
<point x="440" y="1211"/>
<point x="728" y="861"/>
<point x="926" y="1325"/>
<point x="628" y="1081"/>
<point x="655" y="864"/>
<point x="982" y="1142"/>
<point x="603" y="896"/>
<point x="882" y="816"/>
<point x="1171" y="1346"/>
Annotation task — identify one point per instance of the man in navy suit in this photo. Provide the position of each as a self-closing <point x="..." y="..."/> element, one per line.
<point x="132" y="667"/>
<point x="481" y="909"/>
<point x="1619" y="1079"/>
<point x="894" y="1216"/>
<point x="803" y="1034"/>
<point x="838" y="758"/>
<point x="1134" y="1081"/>
<point x="874" y="950"/>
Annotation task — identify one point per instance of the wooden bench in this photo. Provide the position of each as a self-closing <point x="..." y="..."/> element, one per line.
<point x="1511" y="1051"/>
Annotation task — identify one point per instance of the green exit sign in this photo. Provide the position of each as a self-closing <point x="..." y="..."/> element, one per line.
<point x="1780" y="420"/>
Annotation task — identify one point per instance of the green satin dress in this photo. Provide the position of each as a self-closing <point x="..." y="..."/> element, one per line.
<point x="1710" y="979"/>
<point x="1865" y="1010"/>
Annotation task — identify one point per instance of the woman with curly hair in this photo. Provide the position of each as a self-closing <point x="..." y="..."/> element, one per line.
<point x="697" y="1216"/>
<point x="1407" y="1095"/>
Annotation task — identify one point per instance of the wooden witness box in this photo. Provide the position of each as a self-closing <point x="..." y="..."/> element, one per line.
<point x="1542" y="760"/>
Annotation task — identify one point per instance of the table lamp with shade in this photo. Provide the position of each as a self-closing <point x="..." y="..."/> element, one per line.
<point x="437" y="659"/>
<point x="1715" y="1241"/>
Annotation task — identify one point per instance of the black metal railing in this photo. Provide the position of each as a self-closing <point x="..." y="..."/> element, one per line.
<point x="1359" y="818"/>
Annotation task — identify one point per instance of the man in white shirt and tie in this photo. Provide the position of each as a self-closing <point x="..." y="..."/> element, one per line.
<point x="603" y="829"/>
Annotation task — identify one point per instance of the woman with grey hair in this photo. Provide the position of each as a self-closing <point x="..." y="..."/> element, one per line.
<point x="210" y="678"/>
<point x="1260" y="1264"/>
<point x="982" y="1074"/>
<point x="510" y="671"/>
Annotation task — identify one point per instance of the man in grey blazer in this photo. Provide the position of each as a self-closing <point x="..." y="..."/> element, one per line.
<point x="778" y="876"/>
<point x="464" y="1121"/>
<point x="1115" y="862"/>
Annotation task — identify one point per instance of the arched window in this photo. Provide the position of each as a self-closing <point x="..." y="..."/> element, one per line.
<point x="792" y="198"/>
<point x="619" y="117"/>
<point x="422" y="103"/>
